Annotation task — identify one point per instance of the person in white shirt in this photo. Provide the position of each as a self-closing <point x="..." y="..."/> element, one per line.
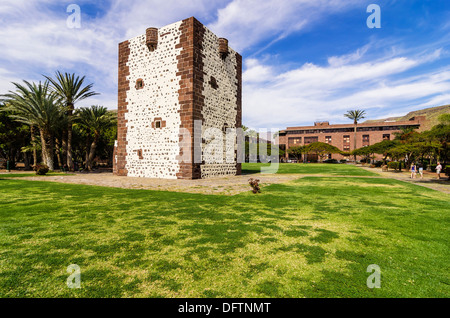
<point x="438" y="170"/>
<point x="420" y="166"/>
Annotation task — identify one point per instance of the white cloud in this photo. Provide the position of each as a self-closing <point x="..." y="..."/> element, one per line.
<point x="349" y="58"/>
<point x="36" y="40"/>
<point x="256" y="72"/>
<point x="313" y="92"/>
<point x="247" y="22"/>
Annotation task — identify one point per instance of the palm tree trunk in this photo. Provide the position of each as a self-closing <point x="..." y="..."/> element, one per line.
<point x="354" y="139"/>
<point x="33" y="141"/>
<point x="43" y="146"/>
<point x="26" y="160"/>
<point x="64" y="146"/>
<point x="51" y="146"/>
<point x="58" y="152"/>
<point x="92" y="152"/>
<point x="69" y="137"/>
<point x="47" y="148"/>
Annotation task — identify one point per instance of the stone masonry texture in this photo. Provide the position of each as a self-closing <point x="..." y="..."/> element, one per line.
<point x="164" y="90"/>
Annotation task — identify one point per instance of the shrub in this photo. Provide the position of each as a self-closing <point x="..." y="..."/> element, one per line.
<point x="4" y="165"/>
<point x="41" y="169"/>
<point x="254" y="183"/>
<point x="392" y="165"/>
<point x="343" y="161"/>
<point x="446" y="170"/>
<point x="396" y="165"/>
<point x="378" y="164"/>
<point x="365" y="160"/>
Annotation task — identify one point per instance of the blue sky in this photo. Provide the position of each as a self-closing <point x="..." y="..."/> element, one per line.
<point x="304" y="60"/>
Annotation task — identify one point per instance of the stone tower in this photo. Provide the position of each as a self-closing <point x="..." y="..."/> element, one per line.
<point x="171" y="79"/>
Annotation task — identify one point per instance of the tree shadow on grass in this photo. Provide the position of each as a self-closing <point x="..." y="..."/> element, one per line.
<point x="325" y="236"/>
<point x="312" y="253"/>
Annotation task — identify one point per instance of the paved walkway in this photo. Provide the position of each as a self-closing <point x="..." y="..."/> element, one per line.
<point x="429" y="179"/>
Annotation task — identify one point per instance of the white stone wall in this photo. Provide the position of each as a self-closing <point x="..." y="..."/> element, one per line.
<point x="219" y="110"/>
<point x="158" y="98"/>
<point x="154" y="152"/>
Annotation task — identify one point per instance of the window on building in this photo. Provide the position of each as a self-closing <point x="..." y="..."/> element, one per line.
<point x="139" y="153"/>
<point x="140" y="83"/>
<point x="310" y="140"/>
<point x="328" y="139"/>
<point x="346" y="140"/>
<point x="294" y="141"/>
<point x="365" y="140"/>
<point x="213" y="82"/>
<point x="386" y="137"/>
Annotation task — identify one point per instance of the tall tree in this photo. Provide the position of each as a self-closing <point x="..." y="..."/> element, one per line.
<point x="35" y="105"/>
<point x="321" y="149"/>
<point x="441" y="134"/>
<point x="13" y="136"/>
<point x="71" y="90"/>
<point x="356" y="116"/>
<point x="297" y="152"/>
<point x="94" y="121"/>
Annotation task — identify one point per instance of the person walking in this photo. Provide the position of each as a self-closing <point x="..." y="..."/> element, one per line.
<point x="438" y="170"/>
<point x="413" y="171"/>
<point x="420" y="166"/>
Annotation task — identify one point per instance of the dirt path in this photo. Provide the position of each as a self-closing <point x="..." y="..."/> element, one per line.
<point x="230" y="185"/>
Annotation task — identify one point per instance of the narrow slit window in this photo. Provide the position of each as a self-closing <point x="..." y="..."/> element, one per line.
<point x="140" y="84"/>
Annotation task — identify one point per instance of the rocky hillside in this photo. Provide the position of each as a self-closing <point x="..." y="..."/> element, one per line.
<point x="431" y="113"/>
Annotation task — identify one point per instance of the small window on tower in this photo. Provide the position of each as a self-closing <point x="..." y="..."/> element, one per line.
<point x="158" y="123"/>
<point x="213" y="82"/>
<point x="140" y="83"/>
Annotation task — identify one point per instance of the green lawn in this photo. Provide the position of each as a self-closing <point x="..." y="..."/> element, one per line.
<point x="313" y="237"/>
<point x="30" y="174"/>
<point x="310" y="168"/>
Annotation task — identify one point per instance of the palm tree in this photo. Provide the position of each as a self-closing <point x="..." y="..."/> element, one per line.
<point x="35" y="105"/>
<point x="70" y="89"/>
<point x="93" y="121"/>
<point x="355" y="115"/>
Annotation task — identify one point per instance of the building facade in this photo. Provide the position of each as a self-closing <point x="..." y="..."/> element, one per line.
<point x="342" y="136"/>
<point x="169" y="79"/>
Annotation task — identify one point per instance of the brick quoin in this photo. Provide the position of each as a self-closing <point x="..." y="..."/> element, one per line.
<point x="238" y="103"/>
<point x="120" y="151"/>
<point x="191" y="99"/>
